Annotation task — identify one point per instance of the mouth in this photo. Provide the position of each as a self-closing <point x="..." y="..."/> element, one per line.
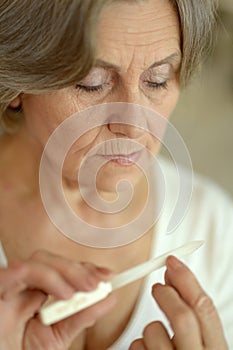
<point x="123" y="159"/>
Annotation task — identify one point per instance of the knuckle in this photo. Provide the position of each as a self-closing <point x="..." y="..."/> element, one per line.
<point x="43" y="255"/>
<point x="38" y="254"/>
<point x="51" y="277"/>
<point x="78" y="274"/>
<point x="87" y="265"/>
<point x="204" y="304"/>
<point x="71" y="270"/>
<point x="184" y="319"/>
<point x="90" y="271"/>
<point x="19" y="266"/>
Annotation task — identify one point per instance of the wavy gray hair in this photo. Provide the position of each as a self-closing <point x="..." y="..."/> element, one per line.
<point x="47" y="45"/>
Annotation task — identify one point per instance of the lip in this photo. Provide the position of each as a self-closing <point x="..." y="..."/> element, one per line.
<point x="123" y="159"/>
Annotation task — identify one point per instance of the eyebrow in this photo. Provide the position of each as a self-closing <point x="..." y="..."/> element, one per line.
<point x="174" y="58"/>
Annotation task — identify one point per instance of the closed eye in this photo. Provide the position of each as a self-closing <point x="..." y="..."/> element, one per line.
<point x="154" y="85"/>
<point x="87" y="88"/>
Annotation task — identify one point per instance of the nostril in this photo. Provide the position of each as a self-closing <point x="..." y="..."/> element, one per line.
<point x="129" y="120"/>
<point x="126" y="129"/>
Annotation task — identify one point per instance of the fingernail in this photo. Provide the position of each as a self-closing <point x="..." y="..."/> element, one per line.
<point x="91" y="282"/>
<point x="155" y="287"/>
<point x="67" y="293"/>
<point x="173" y="263"/>
<point x="104" y="270"/>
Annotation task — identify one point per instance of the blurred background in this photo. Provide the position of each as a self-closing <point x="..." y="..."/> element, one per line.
<point x="204" y="115"/>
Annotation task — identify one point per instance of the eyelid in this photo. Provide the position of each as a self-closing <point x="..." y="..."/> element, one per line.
<point x="158" y="73"/>
<point x="97" y="76"/>
<point x="164" y="68"/>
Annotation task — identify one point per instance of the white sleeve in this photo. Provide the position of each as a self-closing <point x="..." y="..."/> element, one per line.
<point x="223" y="268"/>
<point x="213" y="266"/>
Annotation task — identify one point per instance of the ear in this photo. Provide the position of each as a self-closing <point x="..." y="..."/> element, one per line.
<point x="16" y="103"/>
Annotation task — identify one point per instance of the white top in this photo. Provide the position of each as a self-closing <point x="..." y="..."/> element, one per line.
<point x="209" y="218"/>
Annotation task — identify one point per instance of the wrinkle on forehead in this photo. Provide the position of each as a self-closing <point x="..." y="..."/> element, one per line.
<point x="133" y="29"/>
<point x="138" y="23"/>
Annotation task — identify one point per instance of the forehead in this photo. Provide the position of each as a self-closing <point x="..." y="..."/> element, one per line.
<point x="138" y="28"/>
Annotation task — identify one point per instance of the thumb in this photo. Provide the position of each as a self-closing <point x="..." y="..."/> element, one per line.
<point x="28" y="303"/>
<point x="71" y="327"/>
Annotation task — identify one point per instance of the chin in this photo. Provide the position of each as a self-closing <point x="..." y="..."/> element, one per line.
<point x="114" y="182"/>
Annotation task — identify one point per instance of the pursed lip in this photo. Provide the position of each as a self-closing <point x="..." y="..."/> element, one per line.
<point x="123" y="159"/>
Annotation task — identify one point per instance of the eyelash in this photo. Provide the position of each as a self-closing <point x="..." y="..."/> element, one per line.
<point x="163" y="85"/>
<point x="90" y="89"/>
<point x="98" y="88"/>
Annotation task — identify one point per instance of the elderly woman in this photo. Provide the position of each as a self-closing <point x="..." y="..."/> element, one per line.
<point x="59" y="58"/>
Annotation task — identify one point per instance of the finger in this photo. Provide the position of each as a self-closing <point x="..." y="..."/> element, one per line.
<point x="183" y="280"/>
<point x="102" y="273"/>
<point x="82" y="276"/>
<point x="10" y="277"/>
<point x="156" y="337"/>
<point x="40" y="276"/>
<point x="181" y="317"/>
<point x="64" y="332"/>
<point x="24" y="306"/>
<point x="17" y="313"/>
<point x="71" y="327"/>
<point x="137" y="345"/>
<point x="28" y="303"/>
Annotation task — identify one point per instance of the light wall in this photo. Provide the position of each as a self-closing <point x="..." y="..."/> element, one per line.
<point x="204" y="115"/>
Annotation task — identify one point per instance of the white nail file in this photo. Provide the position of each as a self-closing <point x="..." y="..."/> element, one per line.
<point x="3" y="258"/>
<point x="61" y="309"/>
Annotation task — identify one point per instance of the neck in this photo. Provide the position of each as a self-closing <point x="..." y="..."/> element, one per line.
<point x="111" y="214"/>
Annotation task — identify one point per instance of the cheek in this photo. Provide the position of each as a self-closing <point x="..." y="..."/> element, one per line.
<point x="43" y="114"/>
<point x="85" y="142"/>
<point x="167" y="104"/>
<point x="39" y="128"/>
<point x="165" y="109"/>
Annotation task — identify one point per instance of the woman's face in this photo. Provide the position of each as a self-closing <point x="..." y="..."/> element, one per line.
<point x="137" y="61"/>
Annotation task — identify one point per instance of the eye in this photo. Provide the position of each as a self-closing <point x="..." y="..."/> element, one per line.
<point x="155" y="85"/>
<point x="90" y="88"/>
<point x="157" y="78"/>
<point x="97" y="80"/>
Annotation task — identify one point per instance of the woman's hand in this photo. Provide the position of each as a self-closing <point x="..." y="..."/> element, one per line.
<point x="25" y="286"/>
<point x="191" y="313"/>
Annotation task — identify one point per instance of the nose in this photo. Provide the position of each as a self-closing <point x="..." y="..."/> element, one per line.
<point x="130" y="119"/>
<point x="125" y="130"/>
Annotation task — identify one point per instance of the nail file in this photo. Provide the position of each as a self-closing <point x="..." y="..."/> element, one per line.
<point x="3" y="258"/>
<point x="61" y="309"/>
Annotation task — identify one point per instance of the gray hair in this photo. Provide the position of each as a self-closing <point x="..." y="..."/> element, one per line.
<point x="197" y="22"/>
<point x="47" y="45"/>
